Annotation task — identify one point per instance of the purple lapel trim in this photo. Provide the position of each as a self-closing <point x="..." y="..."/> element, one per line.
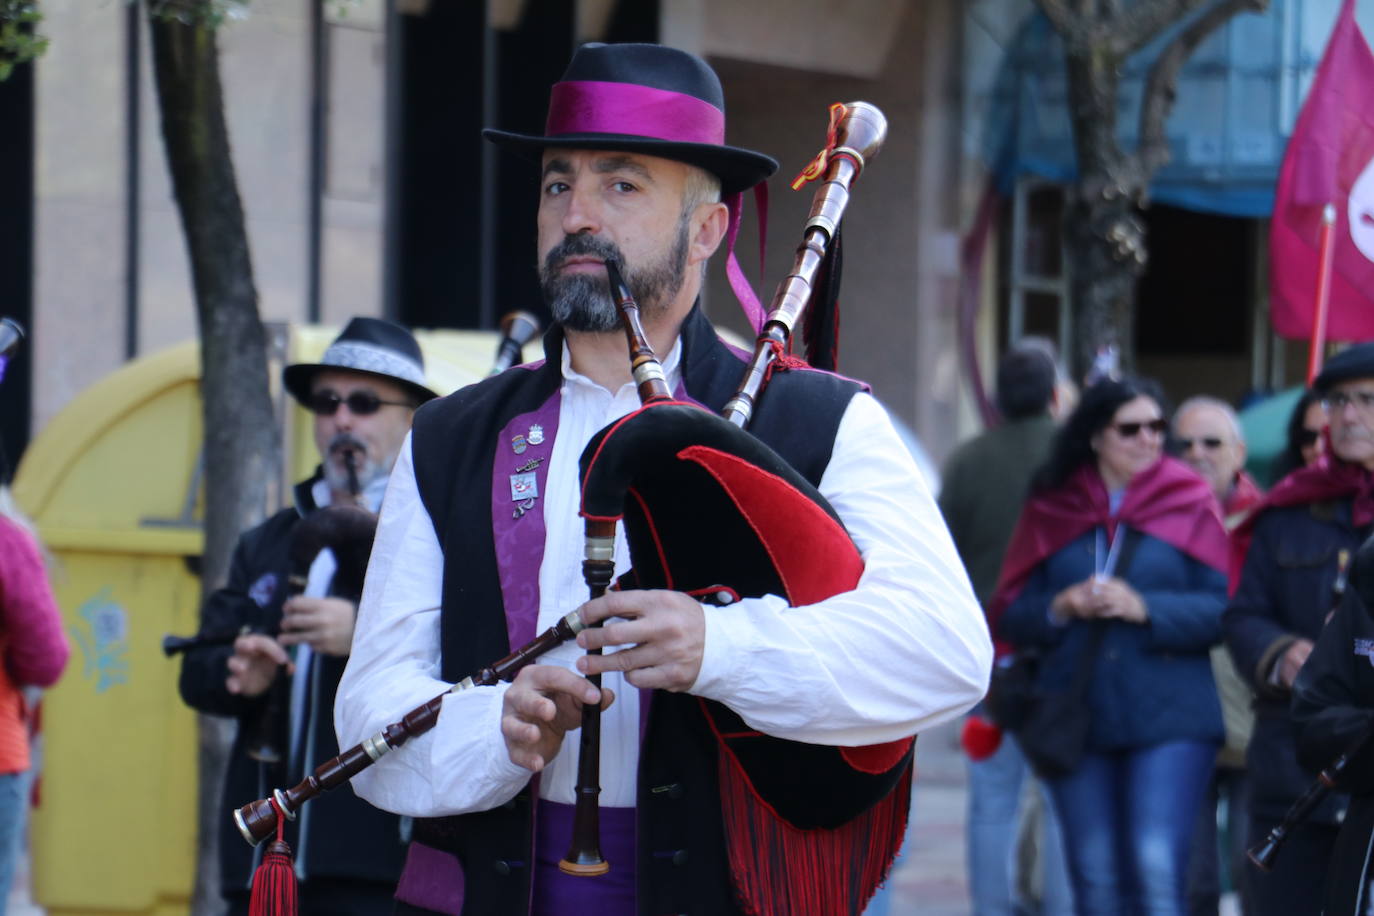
<point x="519" y="539"/>
<point x="432" y="880"/>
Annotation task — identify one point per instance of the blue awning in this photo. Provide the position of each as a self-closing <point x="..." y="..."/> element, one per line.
<point x="1238" y="97"/>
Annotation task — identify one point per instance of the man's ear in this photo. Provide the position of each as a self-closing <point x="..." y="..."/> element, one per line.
<point x="708" y="226"/>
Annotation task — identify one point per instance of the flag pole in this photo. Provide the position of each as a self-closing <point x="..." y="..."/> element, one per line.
<point x="1314" y="354"/>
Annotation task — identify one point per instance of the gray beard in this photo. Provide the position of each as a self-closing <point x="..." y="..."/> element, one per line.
<point x="367" y="469"/>
<point x="583" y="303"/>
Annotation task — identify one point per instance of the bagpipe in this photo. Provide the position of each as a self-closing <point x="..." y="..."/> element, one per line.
<point x="809" y="829"/>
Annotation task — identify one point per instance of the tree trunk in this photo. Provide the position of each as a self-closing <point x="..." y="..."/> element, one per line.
<point x="1104" y="236"/>
<point x="1105" y="246"/>
<point x="240" y="449"/>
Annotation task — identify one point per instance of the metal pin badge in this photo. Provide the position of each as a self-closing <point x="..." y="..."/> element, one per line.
<point x="536" y="434"/>
<point x="518" y="443"/>
<point x="524" y="486"/>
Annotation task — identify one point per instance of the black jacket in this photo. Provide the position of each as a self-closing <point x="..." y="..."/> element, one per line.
<point x="337" y="835"/>
<point x="1286" y="590"/>
<point x="1333" y="708"/>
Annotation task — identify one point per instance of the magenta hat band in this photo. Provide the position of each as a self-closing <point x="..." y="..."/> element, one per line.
<point x="595" y="107"/>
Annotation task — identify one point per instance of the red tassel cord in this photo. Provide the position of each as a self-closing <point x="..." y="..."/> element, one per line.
<point x="274" y="883"/>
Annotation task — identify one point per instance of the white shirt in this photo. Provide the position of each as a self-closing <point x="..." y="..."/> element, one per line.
<point x="906" y="650"/>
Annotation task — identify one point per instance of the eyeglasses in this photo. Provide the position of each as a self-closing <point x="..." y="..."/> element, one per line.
<point x="360" y="403"/>
<point x="1337" y="400"/>
<point x="1211" y="443"/>
<point x="1309" y="437"/>
<point x="1131" y="430"/>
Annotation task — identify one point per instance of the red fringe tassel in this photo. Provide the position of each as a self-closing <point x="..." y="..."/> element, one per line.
<point x="780" y="870"/>
<point x="274" y="883"/>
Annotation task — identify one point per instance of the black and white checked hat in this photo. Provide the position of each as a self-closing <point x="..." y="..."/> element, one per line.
<point x="372" y="346"/>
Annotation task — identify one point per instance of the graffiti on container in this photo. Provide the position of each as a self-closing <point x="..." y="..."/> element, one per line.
<point x="102" y="633"/>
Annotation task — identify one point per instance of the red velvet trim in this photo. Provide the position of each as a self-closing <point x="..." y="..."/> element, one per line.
<point x="714" y="590"/>
<point x="810" y="550"/>
<point x="876" y="758"/>
<point x="653" y="533"/>
<point x="777" y="868"/>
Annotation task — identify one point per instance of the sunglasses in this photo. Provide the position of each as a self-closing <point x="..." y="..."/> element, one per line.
<point x="1336" y="400"/>
<point x="1309" y="437"/>
<point x="1131" y="430"/>
<point x="1211" y="443"/>
<point x="360" y="403"/>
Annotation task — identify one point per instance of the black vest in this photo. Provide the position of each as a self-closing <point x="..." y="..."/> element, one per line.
<point x="682" y="857"/>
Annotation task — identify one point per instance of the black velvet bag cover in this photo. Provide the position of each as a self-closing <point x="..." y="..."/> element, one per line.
<point x="708" y="509"/>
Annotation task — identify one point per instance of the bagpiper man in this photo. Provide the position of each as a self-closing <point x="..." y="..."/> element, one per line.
<point x="633" y="164"/>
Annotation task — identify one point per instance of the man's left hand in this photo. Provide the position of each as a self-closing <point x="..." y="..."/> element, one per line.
<point x="325" y="624"/>
<point x="665" y="630"/>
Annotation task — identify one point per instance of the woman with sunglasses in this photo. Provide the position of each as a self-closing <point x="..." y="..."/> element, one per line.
<point x="1304" y="438"/>
<point x="1115" y="576"/>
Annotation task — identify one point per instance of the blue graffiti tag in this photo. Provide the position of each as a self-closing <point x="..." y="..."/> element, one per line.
<point x="103" y="638"/>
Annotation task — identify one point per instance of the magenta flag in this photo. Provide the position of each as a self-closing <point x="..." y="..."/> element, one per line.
<point x="1330" y="159"/>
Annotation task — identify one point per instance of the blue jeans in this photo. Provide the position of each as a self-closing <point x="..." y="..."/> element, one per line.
<point x="14" y="809"/>
<point x="1128" y="820"/>
<point x="994" y="813"/>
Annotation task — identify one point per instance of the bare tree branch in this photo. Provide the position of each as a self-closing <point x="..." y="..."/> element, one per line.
<point x="1162" y="84"/>
<point x="1142" y="22"/>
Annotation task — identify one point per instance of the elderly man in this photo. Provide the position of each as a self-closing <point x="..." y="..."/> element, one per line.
<point x="363" y="393"/>
<point x="1207" y="432"/>
<point x="1302" y="537"/>
<point x="1208" y="435"/>
<point x="633" y="164"/>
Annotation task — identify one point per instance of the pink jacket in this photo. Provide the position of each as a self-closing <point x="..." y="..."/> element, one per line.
<point x="32" y="643"/>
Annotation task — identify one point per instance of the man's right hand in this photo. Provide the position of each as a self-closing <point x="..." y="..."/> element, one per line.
<point x="543" y="703"/>
<point x="1291" y="662"/>
<point x="254" y="664"/>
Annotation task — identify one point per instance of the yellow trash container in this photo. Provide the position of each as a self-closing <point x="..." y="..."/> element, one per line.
<point x="114" y="486"/>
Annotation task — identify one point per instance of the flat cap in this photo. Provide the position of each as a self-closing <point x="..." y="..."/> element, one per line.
<point x="1351" y="363"/>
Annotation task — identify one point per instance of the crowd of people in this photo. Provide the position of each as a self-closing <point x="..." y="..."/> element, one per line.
<point x="1151" y="587"/>
<point x="1165" y="641"/>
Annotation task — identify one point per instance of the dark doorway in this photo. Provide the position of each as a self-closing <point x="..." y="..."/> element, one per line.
<point x="464" y="251"/>
<point x="16" y="258"/>
<point x="1195" y="297"/>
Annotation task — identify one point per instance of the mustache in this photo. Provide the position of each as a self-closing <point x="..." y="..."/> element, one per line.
<point x="347" y="442"/>
<point x="579" y="246"/>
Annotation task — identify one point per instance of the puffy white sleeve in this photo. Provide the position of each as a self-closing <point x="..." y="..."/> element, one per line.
<point x="461" y="765"/>
<point x="906" y="650"/>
